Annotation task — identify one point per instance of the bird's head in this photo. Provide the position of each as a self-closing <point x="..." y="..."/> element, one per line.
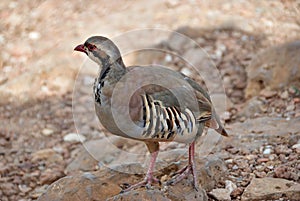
<point x="100" y="49"/>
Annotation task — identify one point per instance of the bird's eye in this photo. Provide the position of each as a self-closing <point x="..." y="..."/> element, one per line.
<point x="91" y="47"/>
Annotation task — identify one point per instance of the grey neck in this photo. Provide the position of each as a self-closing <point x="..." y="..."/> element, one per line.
<point x="116" y="69"/>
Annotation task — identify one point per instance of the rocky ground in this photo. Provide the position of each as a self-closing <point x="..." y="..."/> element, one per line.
<point x="248" y="59"/>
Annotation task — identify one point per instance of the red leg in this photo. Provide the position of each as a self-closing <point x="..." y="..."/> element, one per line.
<point x="149" y="179"/>
<point x="190" y="168"/>
<point x="192" y="164"/>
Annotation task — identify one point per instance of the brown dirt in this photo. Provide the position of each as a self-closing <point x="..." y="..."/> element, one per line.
<point x="38" y="69"/>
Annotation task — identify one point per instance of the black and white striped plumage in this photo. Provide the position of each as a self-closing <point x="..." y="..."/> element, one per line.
<point x="166" y="123"/>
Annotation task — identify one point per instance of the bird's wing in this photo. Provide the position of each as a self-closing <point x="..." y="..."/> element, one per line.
<point x="177" y="99"/>
<point x="209" y="114"/>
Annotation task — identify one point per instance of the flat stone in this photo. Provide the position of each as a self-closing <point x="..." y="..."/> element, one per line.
<point x="49" y="155"/>
<point x="220" y="194"/>
<point x="271" y="189"/>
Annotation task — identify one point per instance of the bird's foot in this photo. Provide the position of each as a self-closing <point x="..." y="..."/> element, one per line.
<point x="179" y="175"/>
<point x="181" y="171"/>
<point x="148" y="180"/>
<point x="182" y="174"/>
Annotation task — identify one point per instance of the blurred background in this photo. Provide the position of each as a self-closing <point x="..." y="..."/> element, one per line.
<point x="255" y="45"/>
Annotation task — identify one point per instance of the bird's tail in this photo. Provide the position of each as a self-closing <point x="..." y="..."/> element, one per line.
<point x="216" y="124"/>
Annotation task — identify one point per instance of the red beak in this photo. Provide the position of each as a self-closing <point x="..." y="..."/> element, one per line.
<point x="80" y="48"/>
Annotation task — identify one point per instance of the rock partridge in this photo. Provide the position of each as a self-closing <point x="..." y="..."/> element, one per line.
<point x="149" y="103"/>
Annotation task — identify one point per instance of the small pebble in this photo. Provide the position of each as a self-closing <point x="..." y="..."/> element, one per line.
<point x="230" y="186"/>
<point x="168" y="58"/>
<point x="24" y="188"/>
<point x="47" y="131"/>
<point x="235" y="167"/>
<point x="296" y="146"/>
<point x="268" y="93"/>
<point x="296" y="100"/>
<point x="244" y="38"/>
<point x="262" y="160"/>
<point x="58" y="149"/>
<point x="164" y="178"/>
<point x="282" y="149"/>
<point x="218" y="54"/>
<point x="290" y="107"/>
<point x="251" y="157"/>
<point x="267" y="151"/>
<point x="260" y="168"/>
<point x="74" y="137"/>
<point x="284" y="95"/>
<point x="242" y="119"/>
<point x="186" y="71"/>
<point x="2" y="39"/>
<point x="226" y="116"/>
<point x="229" y="161"/>
<point x="272" y="157"/>
<point x="34" y="35"/>
<point x="260" y="174"/>
<point x="237" y="192"/>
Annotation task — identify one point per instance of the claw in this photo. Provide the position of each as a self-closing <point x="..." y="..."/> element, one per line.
<point x="180" y="175"/>
<point x="180" y="171"/>
<point x="149" y="179"/>
<point x="184" y="172"/>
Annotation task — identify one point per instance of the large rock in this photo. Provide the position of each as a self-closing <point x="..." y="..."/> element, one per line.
<point x="106" y="153"/>
<point x="106" y="183"/>
<point x="274" y="68"/>
<point x="271" y="189"/>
